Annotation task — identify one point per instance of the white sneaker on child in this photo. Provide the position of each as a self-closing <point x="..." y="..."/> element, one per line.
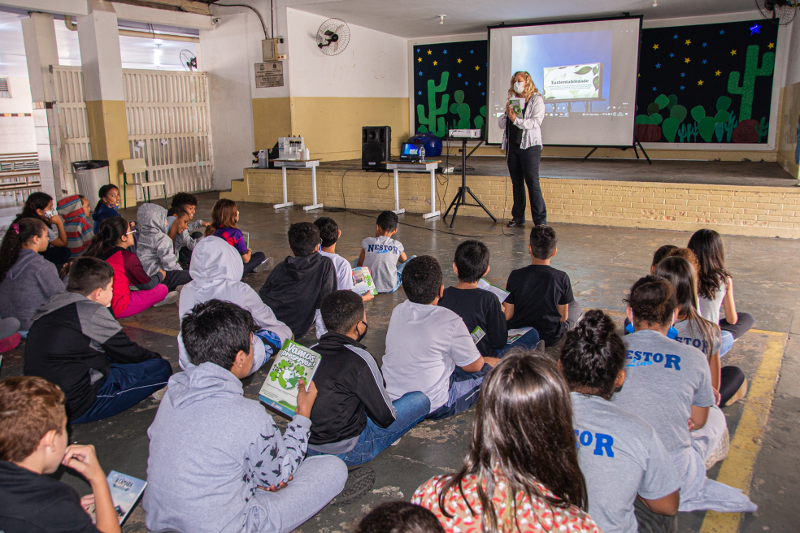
<point x="171" y="298"/>
<point x="266" y="264"/>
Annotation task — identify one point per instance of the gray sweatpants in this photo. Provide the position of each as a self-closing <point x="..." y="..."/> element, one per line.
<point x="318" y="480"/>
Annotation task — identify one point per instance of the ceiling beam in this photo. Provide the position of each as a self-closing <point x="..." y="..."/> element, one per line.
<point x="189" y="6"/>
<point x="60" y="7"/>
<point x="151" y="15"/>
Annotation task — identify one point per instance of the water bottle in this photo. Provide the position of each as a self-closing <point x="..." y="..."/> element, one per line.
<point x="262" y="159"/>
<point x="422" y="153"/>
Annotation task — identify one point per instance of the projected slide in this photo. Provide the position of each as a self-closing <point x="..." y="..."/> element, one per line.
<point x="585" y="71"/>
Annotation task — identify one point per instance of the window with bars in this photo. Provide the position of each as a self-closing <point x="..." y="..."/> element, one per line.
<point x="4" y="92"/>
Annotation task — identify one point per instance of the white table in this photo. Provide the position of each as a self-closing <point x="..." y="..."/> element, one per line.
<point x="427" y="166"/>
<point x="299" y="163"/>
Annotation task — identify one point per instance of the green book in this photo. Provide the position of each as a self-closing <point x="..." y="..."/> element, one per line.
<point x="362" y="281"/>
<point x="280" y="389"/>
<point x="477" y="334"/>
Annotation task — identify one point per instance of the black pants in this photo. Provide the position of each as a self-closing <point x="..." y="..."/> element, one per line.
<point x="650" y="522"/>
<point x="743" y="324"/>
<point x="523" y="165"/>
<point x="176" y="278"/>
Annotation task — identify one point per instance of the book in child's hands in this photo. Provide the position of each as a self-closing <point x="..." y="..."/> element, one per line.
<point x="125" y="492"/>
<point x="293" y="362"/>
<point x="497" y="291"/>
<point x="515" y="334"/>
<point x="477" y="334"/>
<point x="362" y="281"/>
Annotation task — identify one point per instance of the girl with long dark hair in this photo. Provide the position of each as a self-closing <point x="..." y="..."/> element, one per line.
<point x="668" y="384"/>
<point x="630" y="479"/>
<point x="111" y="245"/>
<point x="715" y="288"/>
<point x="107" y="205"/>
<point x="27" y="280"/>
<point x="521" y="472"/>
<point x="40" y="205"/>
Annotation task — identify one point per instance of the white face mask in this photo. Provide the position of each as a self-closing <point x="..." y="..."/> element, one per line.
<point x="519" y="87"/>
<point x="51" y="213"/>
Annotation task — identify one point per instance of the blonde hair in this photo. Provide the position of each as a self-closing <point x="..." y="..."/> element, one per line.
<point x="530" y="87"/>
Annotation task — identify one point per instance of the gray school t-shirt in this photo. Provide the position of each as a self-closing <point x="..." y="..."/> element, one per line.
<point x="620" y="456"/>
<point x="664" y="380"/>
<point x="690" y="334"/>
<point x="381" y="255"/>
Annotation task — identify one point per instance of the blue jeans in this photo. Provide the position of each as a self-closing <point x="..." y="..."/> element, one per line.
<point x="527" y="341"/>
<point x="411" y="409"/>
<point x="727" y="342"/>
<point x="125" y="386"/>
<point x="465" y="388"/>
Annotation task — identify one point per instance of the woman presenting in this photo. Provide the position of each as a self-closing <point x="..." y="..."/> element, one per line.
<point x="522" y="139"/>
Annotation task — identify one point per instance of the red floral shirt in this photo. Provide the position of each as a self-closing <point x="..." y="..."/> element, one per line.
<point x="536" y="516"/>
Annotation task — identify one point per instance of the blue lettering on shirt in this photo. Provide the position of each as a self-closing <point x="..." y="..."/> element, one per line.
<point x="697" y="343"/>
<point x="382" y="249"/>
<point x="601" y="442"/>
<point x="640" y="358"/>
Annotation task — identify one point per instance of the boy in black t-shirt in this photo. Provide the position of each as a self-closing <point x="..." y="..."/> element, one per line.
<point x="33" y="443"/>
<point x="541" y="296"/>
<point x="479" y="308"/>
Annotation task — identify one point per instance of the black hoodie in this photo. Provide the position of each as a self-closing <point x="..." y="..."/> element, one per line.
<point x="295" y="288"/>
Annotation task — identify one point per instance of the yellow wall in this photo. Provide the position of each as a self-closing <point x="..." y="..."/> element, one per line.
<point x="108" y="133"/>
<point x="271" y="119"/>
<point x="787" y="129"/>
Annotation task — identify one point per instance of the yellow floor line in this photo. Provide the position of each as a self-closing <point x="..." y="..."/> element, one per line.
<point x="148" y="327"/>
<point x="737" y="468"/>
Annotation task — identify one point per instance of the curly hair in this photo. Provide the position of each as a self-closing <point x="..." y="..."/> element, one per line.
<point x="530" y="87"/>
<point x="652" y="300"/>
<point x="183" y="198"/>
<point x="19" y="233"/>
<point x="593" y="355"/>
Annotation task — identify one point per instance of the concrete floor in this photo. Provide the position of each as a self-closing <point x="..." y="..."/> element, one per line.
<point x="602" y="263"/>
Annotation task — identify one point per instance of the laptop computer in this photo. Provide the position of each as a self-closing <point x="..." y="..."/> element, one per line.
<point x="409" y="153"/>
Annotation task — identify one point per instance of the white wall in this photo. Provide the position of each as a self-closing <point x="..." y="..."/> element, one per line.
<point x="374" y="64"/>
<point x="17" y="134"/>
<point x="793" y="68"/>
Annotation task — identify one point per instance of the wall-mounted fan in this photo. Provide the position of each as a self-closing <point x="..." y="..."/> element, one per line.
<point x="778" y="12"/>
<point x="188" y="60"/>
<point x="333" y="36"/>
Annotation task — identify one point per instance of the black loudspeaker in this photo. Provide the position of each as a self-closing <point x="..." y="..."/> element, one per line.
<point x="376" y="147"/>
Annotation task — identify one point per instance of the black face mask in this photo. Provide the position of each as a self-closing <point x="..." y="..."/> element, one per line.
<point x="362" y="335"/>
<point x="618" y="389"/>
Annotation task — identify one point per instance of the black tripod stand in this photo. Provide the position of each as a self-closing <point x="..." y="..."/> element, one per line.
<point x="463" y="191"/>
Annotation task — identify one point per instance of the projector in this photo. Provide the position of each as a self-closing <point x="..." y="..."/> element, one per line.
<point x="465" y="134"/>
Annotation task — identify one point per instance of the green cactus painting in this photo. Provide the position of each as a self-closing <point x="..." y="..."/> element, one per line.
<point x="480" y="120"/>
<point x="461" y="109"/>
<point x="751" y="70"/>
<point x="434" y="121"/>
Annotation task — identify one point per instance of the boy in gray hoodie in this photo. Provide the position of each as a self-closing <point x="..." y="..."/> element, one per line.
<point x="217" y="460"/>
<point x="155" y="249"/>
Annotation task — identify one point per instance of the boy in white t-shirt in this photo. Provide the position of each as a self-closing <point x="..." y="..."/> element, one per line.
<point x="381" y="253"/>
<point x="429" y="349"/>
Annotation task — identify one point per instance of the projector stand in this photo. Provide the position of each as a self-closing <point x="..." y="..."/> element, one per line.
<point x="463" y="191"/>
<point x="635" y="142"/>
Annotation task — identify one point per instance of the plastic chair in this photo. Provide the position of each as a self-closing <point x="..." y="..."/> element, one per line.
<point x="138" y="166"/>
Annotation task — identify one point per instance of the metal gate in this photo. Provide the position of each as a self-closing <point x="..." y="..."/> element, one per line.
<point x="168" y="125"/>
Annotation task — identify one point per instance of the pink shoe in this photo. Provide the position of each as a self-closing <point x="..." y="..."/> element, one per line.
<point x="9" y="343"/>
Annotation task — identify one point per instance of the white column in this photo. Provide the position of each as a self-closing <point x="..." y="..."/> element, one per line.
<point x="41" y="51"/>
<point x="101" y="61"/>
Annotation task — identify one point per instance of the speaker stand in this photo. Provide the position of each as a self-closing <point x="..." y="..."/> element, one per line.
<point x="463" y="191"/>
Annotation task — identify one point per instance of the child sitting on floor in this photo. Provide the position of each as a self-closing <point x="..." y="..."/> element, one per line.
<point x="296" y="287"/>
<point x="630" y="478"/>
<point x="354" y="419"/>
<point x="74" y="210"/>
<point x="217" y="459"/>
<point x="224" y="217"/>
<point x="111" y="245"/>
<point x="381" y="254"/>
<point x="429" y="349"/>
<point x="541" y="296"/>
<point x="27" y="280"/>
<point x="188" y="239"/>
<point x="399" y="517"/>
<point x="668" y="384"/>
<point x="40" y="205"/>
<point x="715" y="287"/>
<point x="216" y="273"/>
<point x="107" y="205"/>
<point x="75" y="343"/>
<point x="661" y="253"/>
<point x="33" y="445"/>
<point x="479" y="308"/>
<point x="155" y="248"/>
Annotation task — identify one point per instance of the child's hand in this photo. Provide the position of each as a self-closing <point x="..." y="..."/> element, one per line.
<point x="163" y="274"/>
<point x="55" y="219"/>
<point x="206" y="224"/>
<point x="83" y="459"/>
<point x="368" y="296"/>
<point x="305" y="398"/>
<point x="276" y="488"/>
<point x="691" y="425"/>
<point x="717" y="397"/>
<point x="87" y="501"/>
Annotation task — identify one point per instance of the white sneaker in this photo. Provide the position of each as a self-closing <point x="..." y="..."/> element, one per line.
<point x="266" y="264"/>
<point x="170" y="299"/>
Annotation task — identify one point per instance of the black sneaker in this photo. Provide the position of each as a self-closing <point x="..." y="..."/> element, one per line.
<point x="360" y="481"/>
<point x="515" y="223"/>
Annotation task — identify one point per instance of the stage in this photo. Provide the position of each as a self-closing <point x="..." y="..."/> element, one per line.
<point x="736" y="198"/>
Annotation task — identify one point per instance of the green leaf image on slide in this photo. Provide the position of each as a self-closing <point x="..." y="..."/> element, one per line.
<point x="595" y="70"/>
<point x="596" y="82"/>
<point x="584" y="70"/>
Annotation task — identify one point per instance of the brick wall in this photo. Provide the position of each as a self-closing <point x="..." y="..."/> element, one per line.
<point x="732" y="210"/>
